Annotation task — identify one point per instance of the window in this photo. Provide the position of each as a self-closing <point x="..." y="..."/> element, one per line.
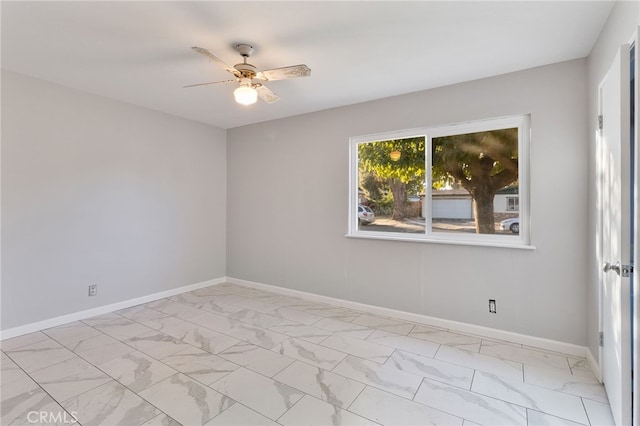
<point x="461" y="183"/>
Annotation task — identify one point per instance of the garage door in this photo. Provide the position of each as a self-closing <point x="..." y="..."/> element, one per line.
<point x="452" y="209"/>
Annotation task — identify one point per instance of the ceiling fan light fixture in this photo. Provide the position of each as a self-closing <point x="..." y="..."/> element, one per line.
<point x="248" y="92"/>
<point x="245" y="95"/>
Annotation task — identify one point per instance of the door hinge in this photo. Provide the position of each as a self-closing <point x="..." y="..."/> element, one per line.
<point x="601" y="339"/>
<point x="600" y="122"/>
<point x="626" y="270"/>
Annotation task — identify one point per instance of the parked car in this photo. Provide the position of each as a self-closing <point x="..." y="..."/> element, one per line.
<point x="365" y="215"/>
<point x="512" y="225"/>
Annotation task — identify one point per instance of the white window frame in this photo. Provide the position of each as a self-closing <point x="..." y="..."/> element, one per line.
<point x="522" y="240"/>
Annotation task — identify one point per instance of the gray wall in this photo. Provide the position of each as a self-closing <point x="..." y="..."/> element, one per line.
<point x="100" y="192"/>
<point x="287" y="209"/>
<point x="619" y="29"/>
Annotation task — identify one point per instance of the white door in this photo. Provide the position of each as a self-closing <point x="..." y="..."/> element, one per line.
<point x="613" y="167"/>
<point x="636" y="226"/>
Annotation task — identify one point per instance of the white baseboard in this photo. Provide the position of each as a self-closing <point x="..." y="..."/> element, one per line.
<point x="477" y="330"/>
<point x="595" y="366"/>
<point x="64" y="319"/>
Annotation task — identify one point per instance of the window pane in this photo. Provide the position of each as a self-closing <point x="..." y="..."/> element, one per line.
<point x="391" y="176"/>
<point x="475" y="183"/>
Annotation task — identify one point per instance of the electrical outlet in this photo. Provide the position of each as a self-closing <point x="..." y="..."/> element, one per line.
<point x="492" y="306"/>
<point x="93" y="290"/>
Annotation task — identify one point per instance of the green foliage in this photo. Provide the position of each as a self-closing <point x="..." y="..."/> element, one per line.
<point x="409" y="169"/>
<point x="488" y="159"/>
<point x="374" y="187"/>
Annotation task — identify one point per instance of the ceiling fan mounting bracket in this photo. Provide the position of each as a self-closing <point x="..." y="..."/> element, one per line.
<point x="245" y="50"/>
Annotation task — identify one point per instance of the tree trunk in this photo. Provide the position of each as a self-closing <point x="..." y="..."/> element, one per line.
<point x="399" y="191"/>
<point x="483" y="209"/>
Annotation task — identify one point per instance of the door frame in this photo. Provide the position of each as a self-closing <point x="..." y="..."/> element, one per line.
<point x="635" y="283"/>
<point x="630" y="318"/>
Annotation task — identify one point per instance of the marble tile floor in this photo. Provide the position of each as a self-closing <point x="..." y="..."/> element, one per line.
<point x="232" y="355"/>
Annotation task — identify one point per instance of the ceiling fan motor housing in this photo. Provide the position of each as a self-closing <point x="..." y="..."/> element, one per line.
<point x="247" y="70"/>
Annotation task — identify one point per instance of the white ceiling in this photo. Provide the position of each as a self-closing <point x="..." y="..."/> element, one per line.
<point x="139" y="52"/>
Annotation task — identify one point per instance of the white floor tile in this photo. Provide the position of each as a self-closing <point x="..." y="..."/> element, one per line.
<point x="536" y="418"/>
<point x="161" y="420"/>
<point x="573" y="384"/>
<point x="264" y="395"/>
<point x="295" y="315"/>
<point x="434" y="369"/>
<point x="201" y="337"/>
<point x="330" y="387"/>
<point x="392" y="410"/>
<point x="238" y="330"/>
<point x="187" y="401"/>
<point x="233" y="355"/>
<point x="100" y="349"/>
<point x="304" y="332"/>
<point x="156" y="344"/>
<point x="310" y="353"/>
<point x="486" y="363"/>
<point x="200" y="365"/>
<point x="443" y="337"/>
<point x="140" y="313"/>
<point x="334" y="312"/>
<point x="524" y="355"/>
<point x="334" y="325"/>
<point x="360" y="348"/>
<point x="310" y="411"/>
<point x="409" y="344"/>
<point x="180" y="310"/>
<point x="255" y="305"/>
<point x="122" y="328"/>
<point x="23" y="397"/>
<point x="110" y="404"/>
<point x="24" y="340"/>
<point x="380" y="376"/>
<point x="259" y="319"/>
<point x="136" y="370"/>
<point x="72" y="334"/>
<point x="599" y="414"/>
<point x="255" y="358"/>
<point x="239" y="415"/>
<point x="530" y="396"/>
<point x="477" y="408"/>
<point x="382" y="323"/>
<point x="10" y="372"/>
<point x="69" y="378"/>
<point x="39" y="355"/>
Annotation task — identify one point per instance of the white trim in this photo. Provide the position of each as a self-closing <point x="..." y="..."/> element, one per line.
<point x="478" y="330"/>
<point x="595" y="367"/>
<point x="523" y="240"/>
<point x="397" y="236"/>
<point x="535" y="342"/>
<point x="64" y="319"/>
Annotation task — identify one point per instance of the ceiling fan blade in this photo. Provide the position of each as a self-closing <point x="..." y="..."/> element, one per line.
<point x="208" y="84"/>
<point x="293" y="71"/>
<point x="267" y="95"/>
<point x="217" y="60"/>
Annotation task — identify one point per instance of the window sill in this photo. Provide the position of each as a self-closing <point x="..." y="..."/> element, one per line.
<point x="421" y="239"/>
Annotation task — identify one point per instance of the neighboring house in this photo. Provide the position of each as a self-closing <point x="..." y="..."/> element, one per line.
<point x="458" y="204"/>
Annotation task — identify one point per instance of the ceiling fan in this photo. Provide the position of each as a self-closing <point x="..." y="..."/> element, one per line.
<point x="250" y="79"/>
